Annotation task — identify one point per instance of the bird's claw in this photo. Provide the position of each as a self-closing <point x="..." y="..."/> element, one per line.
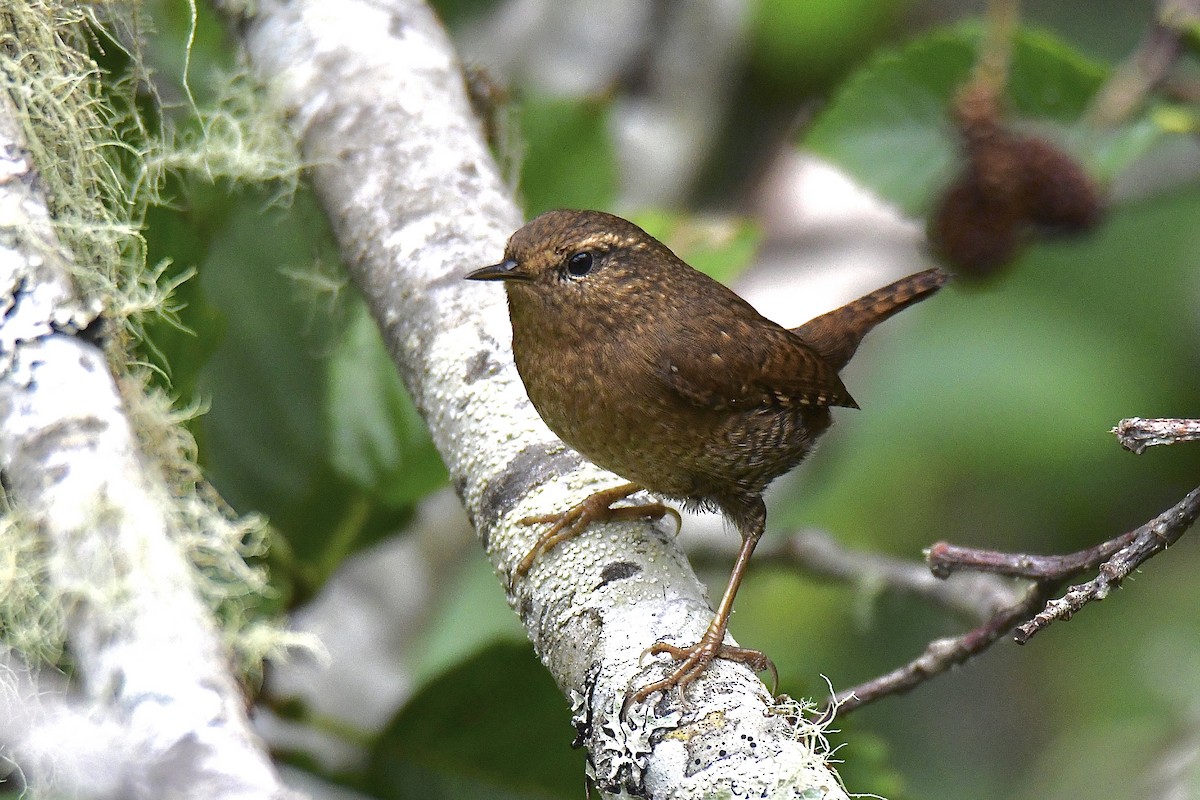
<point x="575" y="520"/>
<point x="694" y="660"/>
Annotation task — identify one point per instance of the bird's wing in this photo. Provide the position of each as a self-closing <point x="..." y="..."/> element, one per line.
<point x="749" y="363"/>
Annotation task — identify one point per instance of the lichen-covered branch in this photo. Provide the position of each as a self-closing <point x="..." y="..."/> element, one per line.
<point x="166" y="717"/>
<point x="376" y="95"/>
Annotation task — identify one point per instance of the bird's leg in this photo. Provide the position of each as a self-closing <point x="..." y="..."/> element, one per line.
<point x="596" y="507"/>
<point x="696" y="658"/>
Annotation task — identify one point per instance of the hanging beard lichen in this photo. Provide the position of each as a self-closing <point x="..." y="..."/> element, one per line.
<point x="102" y="145"/>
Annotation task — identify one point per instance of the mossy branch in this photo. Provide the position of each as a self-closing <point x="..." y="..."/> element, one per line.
<point x="146" y="652"/>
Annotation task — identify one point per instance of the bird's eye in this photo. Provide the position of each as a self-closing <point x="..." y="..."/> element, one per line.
<point x="580" y="264"/>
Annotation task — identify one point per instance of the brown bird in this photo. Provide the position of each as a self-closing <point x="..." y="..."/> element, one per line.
<point x="660" y="374"/>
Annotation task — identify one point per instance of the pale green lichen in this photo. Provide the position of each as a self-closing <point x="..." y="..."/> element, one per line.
<point x="31" y="611"/>
<point x="102" y="165"/>
<point x="809" y="727"/>
<point x="239" y="138"/>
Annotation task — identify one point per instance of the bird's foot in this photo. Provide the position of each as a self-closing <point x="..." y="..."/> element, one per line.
<point x="694" y="660"/>
<point x="575" y="520"/>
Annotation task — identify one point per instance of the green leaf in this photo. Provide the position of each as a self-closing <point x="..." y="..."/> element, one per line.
<point x="569" y="157"/>
<point x="719" y="247"/>
<point x="402" y="778"/>
<point x="377" y="440"/>
<point x="473" y="616"/>
<point x="494" y="724"/>
<point x="1050" y="79"/>
<point x="181" y="350"/>
<point x="803" y="45"/>
<point x="265" y="440"/>
<point x="263" y="434"/>
<point x="889" y="126"/>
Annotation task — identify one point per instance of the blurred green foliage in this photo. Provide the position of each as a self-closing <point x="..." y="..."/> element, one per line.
<point x="802" y="46"/>
<point x="719" y="247"/>
<point x="568" y="160"/>
<point x="492" y="723"/>
<point x="985" y="422"/>
<point x="901" y="100"/>
<point x="1049" y="354"/>
<point x="308" y="422"/>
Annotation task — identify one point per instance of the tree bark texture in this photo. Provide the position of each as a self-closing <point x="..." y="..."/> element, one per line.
<point x="376" y="95"/>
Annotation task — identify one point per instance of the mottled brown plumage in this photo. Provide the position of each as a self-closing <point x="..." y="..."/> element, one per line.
<point x="660" y="374"/>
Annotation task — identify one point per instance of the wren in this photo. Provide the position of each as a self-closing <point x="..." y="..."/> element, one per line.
<point x="654" y="371"/>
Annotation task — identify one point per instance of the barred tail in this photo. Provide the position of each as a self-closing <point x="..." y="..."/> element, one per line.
<point x="837" y="334"/>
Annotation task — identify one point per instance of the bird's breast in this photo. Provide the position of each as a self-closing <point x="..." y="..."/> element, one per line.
<point x="600" y="385"/>
<point x="603" y="398"/>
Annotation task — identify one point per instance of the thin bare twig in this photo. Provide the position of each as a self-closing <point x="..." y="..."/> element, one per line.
<point x="1149" y="65"/>
<point x="1035" y="609"/>
<point x="945" y="559"/>
<point x="1147" y="541"/>
<point x="1136" y="434"/>
<point x="939" y="656"/>
<point x="972" y="595"/>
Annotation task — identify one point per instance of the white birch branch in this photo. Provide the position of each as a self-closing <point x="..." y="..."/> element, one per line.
<point x="164" y="716"/>
<point x="375" y="92"/>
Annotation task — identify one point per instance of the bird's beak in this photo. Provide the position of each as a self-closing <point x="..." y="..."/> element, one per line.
<point x="506" y="270"/>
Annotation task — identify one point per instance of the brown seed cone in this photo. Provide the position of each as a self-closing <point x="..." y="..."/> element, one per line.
<point x="975" y="230"/>
<point x="1008" y="183"/>
<point x="1058" y="193"/>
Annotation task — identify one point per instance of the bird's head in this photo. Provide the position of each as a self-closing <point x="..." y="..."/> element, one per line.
<point x="580" y="259"/>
